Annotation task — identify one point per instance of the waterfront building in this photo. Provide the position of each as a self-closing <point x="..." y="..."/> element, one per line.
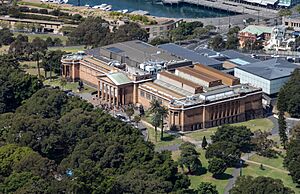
<point x="288" y="3"/>
<point x="254" y="32"/>
<point x="197" y="97"/>
<point x="270" y="75"/>
<point x="292" y="21"/>
<point x="193" y="56"/>
<point x="162" y="28"/>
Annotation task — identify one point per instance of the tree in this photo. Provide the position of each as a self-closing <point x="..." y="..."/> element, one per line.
<point x="201" y="32"/>
<point x="263" y="145"/>
<point x="129" y="112"/>
<point x="184" y="30"/>
<point x="285" y="12"/>
<point x="137" y="119"/>
<point x="217" y="166"/>
<point x="92" y="31"/>
<point x="292" y="159"/>
<point x="131" y="31"/>
<point x="155" y="120"/>
<point x="6" y="37"/>
<point x="206" y="188"/>
<point x="157" y="110"/>
<point x="259" y="185"/>
<point x="287" y="102"/>
<point x="204" y="143"/>
<point x="282" y="129"/>
<point x="216" y="43"/>
<point x="232" y="42"/>
<point x="296" y="131"/>
<point x="51" y="62"/>
<point x="240" y="136"/>
<point x="224" y="150"/>
<point x="15" y="85"/>
<point x="158" y="40"/>
<point x="189" y="158"/>
<point x="39" y="47"/>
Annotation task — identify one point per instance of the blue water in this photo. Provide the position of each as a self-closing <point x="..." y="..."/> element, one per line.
<point x="157" y="9"/>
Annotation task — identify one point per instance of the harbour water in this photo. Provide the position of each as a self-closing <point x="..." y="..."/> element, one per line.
<point x="157" y="8"/>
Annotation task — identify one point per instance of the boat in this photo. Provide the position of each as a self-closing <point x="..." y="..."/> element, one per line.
<point x="102" y="6"/>
<point x="125" y="11"/>
<point x="106" y="8"/>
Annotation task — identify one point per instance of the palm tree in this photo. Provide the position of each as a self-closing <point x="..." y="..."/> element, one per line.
<point x="158" y="110"/>
<point x="163" y="112"/>
<point x="155" y="121"/>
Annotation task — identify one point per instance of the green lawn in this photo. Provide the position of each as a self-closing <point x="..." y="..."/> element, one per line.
<point x="69" y="49"/>
<point x="274" y="162"/>
<point x="69" y="86"/>
<point x="167" y="141"/>
<point x="254" y="170"/>
<point x="263" y="124"/>
<point x="43" y="36"/>
<point x="207" y="177"/>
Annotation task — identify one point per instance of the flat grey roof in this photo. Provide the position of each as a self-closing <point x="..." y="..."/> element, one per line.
<point x="140" y="51"/>
<point x="188" y="54"/>
<point x="231" y="54"/>
<point x="270" y="69"/>
<point x="206" y="52"/>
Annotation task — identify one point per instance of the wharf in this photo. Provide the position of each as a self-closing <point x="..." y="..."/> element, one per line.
<point x="231" y="6"/>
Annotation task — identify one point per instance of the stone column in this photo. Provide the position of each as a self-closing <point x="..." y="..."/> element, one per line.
<point x="98" y="89"/>
<point x="117" y="96"/>
<point x="107" y="95"/>
<point x="109" y="100"/>
<point x="114" y="96"/>
<point x="124" y="100"/>
<point x="102" y="91"/>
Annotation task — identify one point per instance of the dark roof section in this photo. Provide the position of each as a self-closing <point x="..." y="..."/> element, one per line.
<point x="270" y="69"/>
<point x="231" y="54"/>
<point x="206" y="52"/>
<point x="188" y="54"/>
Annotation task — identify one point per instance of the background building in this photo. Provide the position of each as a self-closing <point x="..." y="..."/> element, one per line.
<point x="270" y="75"/>
<point x="254" y="32"/>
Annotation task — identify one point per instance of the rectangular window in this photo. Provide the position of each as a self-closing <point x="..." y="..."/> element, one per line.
<point x="148" y="96"/>
<point x="142" y="93"/>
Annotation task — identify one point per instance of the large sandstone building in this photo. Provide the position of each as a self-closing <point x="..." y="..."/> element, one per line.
<point x="197" y="96"/>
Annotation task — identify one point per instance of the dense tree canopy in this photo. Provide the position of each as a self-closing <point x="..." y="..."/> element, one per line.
<point x="206" y="188"/>
<point x="292" y="159"/>
<point x="189" y="158"/>
<point x="240" y="136"/>
<point x="259" y="185"/>
<point x="71" y="147"/>
<point x="289" y="96"/>
<point x="94" y="31"/>
<point x="15" y="85"/>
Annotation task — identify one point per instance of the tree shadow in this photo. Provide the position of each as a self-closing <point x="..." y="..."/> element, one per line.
<point x="223" y="176"/>
<point x="168" y="138"/>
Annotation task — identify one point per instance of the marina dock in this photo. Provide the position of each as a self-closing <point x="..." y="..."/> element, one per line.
<point x="228" y="6"/>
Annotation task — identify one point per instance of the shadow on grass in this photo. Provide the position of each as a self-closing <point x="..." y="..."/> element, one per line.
<point x="168" y="138"/>
<point x="223" y="176"/>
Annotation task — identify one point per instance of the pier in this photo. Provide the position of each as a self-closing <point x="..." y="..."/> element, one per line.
<point x="231" y="6"/>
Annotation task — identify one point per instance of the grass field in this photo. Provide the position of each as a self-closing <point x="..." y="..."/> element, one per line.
<point x="69" y="86"/>
<point x="275" y="162"/>
<point x="68" y="49"/>
<point x="42" y="36"/>
<point x="263" y="124"/>
<point x="254" y="170"/>
<point x="207" y="177"/>
<point x="167" y="141"/>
